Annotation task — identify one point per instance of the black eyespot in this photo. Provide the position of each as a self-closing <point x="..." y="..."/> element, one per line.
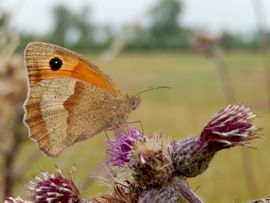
<point x="56" y="63"/>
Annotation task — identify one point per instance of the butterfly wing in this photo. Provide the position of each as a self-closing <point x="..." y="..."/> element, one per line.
<point x="61" y="111"/>
<point x="38" y="58"/>
<point x="68" y="101"/>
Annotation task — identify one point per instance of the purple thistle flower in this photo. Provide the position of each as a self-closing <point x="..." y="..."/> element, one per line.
<point x="145" y="158"/>
<point x="119" y="150"/>
<point x="54" y="188"/>
<point x="230" y="127"/>
<point x="16" y="200"/>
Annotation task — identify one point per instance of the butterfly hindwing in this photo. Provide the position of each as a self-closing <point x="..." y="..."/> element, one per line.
<point x="62" y="111"/>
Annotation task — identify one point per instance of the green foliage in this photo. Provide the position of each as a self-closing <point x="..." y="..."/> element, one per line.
<point x="164" y="30"/>
<point x="3" y="18"/>
<point x="235" y="41"/>
<point x="164" y="18"/>
<point x="161" y="29"/>
<point x="25" y="38"/>
<point x="72" y="29"/>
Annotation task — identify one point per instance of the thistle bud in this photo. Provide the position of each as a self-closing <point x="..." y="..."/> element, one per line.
<point x="168" y="193"/>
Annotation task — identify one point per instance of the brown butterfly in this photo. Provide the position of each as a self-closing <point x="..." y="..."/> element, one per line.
<point x="69" y="99"/>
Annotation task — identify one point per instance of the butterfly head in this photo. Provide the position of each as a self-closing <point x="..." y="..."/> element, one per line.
<point x="134" y="102"/>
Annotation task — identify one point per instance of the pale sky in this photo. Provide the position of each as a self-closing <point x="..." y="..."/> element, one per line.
<point x="216" y="15"/>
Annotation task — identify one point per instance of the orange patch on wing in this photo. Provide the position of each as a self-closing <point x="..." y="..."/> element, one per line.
<point x="38" y="56"/>
<point x="79" y="72"/>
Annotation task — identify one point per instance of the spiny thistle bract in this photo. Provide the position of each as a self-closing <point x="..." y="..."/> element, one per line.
<point x="168" y="193"/>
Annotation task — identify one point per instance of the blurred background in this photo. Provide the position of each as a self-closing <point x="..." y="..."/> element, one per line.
<point x="211" y="53"/>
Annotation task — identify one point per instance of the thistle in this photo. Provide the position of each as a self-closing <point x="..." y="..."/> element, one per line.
<point x="146" y="159"/>
<point x="150" y="163"/>
<point x="119" y="150"/>
<point x="230" y="127"/>
<point x="141" y="155"/>
<point x="54" y="188"/>
<point x="149" y="170"/>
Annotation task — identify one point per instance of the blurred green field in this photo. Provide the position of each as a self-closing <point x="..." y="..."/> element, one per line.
<point x="196" y="95"/>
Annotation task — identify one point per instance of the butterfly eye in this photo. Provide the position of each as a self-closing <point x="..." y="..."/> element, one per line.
<point x="135" y="101"/>
<point x="56" y="63"/>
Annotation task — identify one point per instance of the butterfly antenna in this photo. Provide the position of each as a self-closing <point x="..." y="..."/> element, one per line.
<point x="151" y="89"/>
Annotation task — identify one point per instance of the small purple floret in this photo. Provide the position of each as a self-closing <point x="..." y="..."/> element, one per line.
<point x="54" y="188"/>
<point x="119" y="150"/>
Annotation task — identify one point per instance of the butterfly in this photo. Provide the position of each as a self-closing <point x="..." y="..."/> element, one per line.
<point x="69" y="98"/>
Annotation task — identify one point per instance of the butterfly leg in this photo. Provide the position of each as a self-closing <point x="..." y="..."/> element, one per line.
<point x="139" y="122"/>
<point x="106" y="135"/>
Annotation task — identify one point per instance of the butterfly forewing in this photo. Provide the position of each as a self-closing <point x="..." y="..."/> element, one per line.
<point x="39" y="57"/>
